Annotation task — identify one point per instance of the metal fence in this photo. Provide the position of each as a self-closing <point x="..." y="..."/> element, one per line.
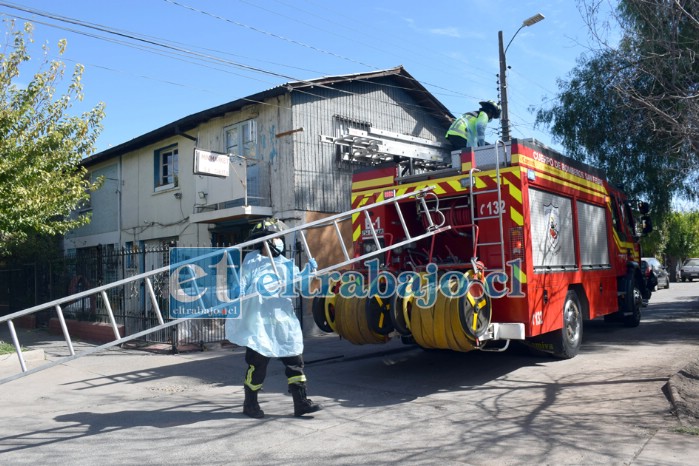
<point x="24" y="285"/>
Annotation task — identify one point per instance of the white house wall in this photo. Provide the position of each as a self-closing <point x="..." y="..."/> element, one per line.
<point x="104" y="225"/>
<point x="149" y="215"/>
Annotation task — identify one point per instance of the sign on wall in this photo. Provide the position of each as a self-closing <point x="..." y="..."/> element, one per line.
<point x="211" y="163"/>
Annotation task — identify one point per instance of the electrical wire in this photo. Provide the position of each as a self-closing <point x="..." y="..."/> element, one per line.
<point x="154" y="45"/>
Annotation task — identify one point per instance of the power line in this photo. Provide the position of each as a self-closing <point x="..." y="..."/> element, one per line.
<point x="165" y="48"/>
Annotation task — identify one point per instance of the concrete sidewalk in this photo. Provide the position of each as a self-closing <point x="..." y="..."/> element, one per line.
<point x="126" y="407"/>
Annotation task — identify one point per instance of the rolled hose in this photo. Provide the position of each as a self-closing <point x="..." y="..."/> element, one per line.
<point x="351" y="322"/>
<point x="439" y="326"/>
<point x="448" y="324"/>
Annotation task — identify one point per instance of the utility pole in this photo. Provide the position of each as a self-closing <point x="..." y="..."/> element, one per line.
<point x="505" y="115"/>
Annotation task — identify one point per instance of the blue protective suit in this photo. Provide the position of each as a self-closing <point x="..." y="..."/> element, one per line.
<point x="267" y="324"/>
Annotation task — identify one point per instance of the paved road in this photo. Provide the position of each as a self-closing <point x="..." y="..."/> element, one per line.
<point x="388" y="404"/>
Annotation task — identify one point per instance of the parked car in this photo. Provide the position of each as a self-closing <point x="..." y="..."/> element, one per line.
<point x="690" y="269"/>
<point x="662" y="278"/>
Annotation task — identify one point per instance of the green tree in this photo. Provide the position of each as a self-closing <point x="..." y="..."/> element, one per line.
<point x="41" y="145"/>
<point x="632" y="109"/>
<point x="682" y="235"/>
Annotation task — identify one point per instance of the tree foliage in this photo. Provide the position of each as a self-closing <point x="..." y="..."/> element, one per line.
<point x="41" y="144"/>
<point x="633" y="109"/>
<point x="682" y="235"/>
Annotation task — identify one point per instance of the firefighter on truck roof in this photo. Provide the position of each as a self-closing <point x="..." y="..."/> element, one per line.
<point x="469" y="129"/>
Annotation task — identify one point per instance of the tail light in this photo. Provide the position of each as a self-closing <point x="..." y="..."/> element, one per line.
<point x="517" y="243"/>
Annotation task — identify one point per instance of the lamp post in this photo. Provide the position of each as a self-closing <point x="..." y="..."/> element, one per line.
<point x="505" y="117"/>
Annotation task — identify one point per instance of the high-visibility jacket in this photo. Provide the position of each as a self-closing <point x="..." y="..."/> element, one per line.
<point x="470" y="126"/>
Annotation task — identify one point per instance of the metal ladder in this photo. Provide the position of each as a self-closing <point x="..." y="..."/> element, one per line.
<point x="101" y="291"/>
<point x="498" y="215"/>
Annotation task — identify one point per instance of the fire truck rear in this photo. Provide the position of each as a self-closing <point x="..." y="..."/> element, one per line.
<point x="536" y="244"/>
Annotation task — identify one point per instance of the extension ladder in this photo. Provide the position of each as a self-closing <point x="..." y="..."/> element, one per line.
<point x="101" y="291"/>
<point x="496" y="215"/>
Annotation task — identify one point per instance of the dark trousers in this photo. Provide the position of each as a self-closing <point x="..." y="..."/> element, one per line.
<point x="457" y="142"/>
<point x="257" y="369"/>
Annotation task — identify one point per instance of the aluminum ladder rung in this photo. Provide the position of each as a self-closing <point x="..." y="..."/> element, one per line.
<point x="488" y="217"/>
<point x="477" y="191"/>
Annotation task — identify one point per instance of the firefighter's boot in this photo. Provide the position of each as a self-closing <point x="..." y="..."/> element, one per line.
<point x="250" y="406"/>
<point x="302" y="405"/>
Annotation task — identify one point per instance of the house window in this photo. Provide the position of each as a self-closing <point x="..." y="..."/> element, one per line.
<point x="166" y="167"/>
<point x="241" y="139"/>
<point x="86" y="204"/>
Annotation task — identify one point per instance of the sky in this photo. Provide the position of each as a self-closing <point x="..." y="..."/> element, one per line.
<point x="196" y="54"/>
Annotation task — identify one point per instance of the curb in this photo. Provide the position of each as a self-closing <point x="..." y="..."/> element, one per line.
<point x="683" y="410"/>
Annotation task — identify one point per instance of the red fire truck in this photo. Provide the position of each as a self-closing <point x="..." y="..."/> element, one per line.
<point x="536" y="243"/>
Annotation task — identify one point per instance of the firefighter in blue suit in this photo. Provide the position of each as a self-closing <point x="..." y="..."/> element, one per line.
<point x="268" y="326"/>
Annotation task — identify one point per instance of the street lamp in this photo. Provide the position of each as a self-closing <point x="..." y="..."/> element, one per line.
<point x="505" y="117"/>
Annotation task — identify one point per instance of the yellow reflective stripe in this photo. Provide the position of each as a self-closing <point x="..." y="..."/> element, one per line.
<point x="574" y="181"/>
<point x="248" y="379"/>
<point x="622" y="244"/>
<point x="356" y="234"/>
<point x="438" y="189"/>
<point x="383" y="181"/>
<point x="516" y="216"/>
<point x="517" y="272"/>
<point x="355" y="217"/>
<point x="455" y="185"/>
<point x="515" y="192"/>
<point x="297" y="379"/>
<point x="594" y="192"/>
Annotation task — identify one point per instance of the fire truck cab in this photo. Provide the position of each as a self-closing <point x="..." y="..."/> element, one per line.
<point x="536" y="244"/>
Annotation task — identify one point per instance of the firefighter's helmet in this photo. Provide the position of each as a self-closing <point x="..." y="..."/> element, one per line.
<point x="490" y="108"/>
<point x="266" y="227"/>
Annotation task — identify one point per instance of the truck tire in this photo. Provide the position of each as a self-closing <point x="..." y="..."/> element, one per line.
<point x="631" y="304"/>
<point x="569" y="339"/>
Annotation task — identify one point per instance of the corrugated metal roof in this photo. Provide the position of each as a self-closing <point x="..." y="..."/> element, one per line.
<point x="413" y="87"/>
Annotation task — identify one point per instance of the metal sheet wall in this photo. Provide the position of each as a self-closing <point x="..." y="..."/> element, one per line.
<point x="321" y="183"/>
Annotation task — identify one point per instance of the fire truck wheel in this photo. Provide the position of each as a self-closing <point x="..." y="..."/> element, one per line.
<point x="378" y="315"/>
<point x="322" y="309"/>
<point x="632" y="304"/>
<point x="568" y="345"/>
<point x="400" y="314"/>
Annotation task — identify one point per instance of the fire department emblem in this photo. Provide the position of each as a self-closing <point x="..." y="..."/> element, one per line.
<point x="552" y="216"/>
